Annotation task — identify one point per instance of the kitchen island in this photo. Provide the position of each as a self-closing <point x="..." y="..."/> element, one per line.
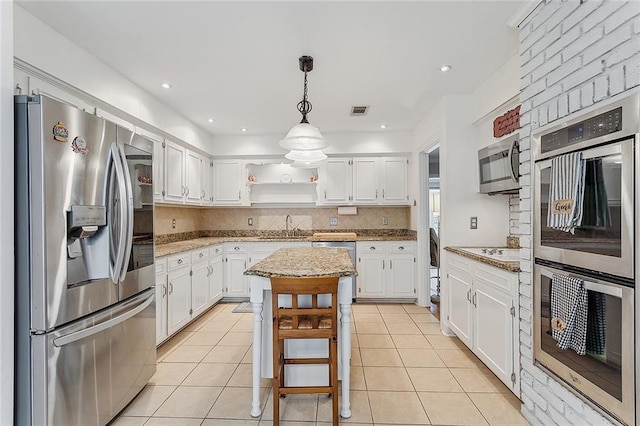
<point x="300" y="262"/>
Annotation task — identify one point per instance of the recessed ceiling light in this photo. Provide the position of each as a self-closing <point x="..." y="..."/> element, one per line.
<point x="243" y="129"/>
<point x="383" y="126"/>
<point x="210" y="120"/>
<point x="445" y="68"/>
<point x="167" y="85"/>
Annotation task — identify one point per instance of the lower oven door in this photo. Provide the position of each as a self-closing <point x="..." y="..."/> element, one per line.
<point x="605" y="374"/>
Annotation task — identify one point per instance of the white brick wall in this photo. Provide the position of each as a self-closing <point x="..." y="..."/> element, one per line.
<point x="572" y="56"/>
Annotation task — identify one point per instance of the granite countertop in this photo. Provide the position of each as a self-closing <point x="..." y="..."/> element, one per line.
<point x="507" y="265"/>
<point x="305" y="262"/>
<point x="195" y="243"/>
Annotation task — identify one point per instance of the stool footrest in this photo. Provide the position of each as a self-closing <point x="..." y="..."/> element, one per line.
<point x="289" y="361"/>
<point x="304" y="390"/>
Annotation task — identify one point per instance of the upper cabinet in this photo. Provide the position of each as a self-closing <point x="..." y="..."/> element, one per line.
<point x="364" y="181"/>
<point x="174" y="169"/>
<point x="229" y="182"/>
<point x="193" y="170"/>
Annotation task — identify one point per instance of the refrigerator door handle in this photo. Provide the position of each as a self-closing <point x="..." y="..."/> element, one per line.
<point x="116" y="267"/>
<point x="129" y="210"/>
<point x="79" y="335"/>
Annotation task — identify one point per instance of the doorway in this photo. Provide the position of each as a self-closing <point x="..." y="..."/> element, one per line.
<point x="433" y="222"/>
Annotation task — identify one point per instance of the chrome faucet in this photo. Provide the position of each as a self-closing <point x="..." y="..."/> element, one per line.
<point x="287" y="221"/>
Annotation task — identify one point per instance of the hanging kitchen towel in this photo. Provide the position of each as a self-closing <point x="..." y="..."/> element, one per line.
<point x="595" y="205"/>
<point x="566" y="192"/>
<point x="596" y="323"/>
<point x="569" y="313"/>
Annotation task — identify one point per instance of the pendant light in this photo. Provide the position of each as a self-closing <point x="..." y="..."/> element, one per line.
<point x="304" y="140"/>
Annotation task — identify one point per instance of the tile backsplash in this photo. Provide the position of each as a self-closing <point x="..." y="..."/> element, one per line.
<point x="273" y="219"/>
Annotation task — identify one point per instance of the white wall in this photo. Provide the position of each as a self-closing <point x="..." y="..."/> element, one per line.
<point x="382" y="142"/>
<point x="500" y="88"/>
<point x="40" y="46"/>
<point x="6" y="212"/>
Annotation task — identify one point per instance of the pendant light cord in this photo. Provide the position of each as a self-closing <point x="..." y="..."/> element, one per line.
<point x="304" y="106"/>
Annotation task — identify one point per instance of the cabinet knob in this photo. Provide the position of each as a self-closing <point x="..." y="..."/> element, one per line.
<point x="372" y="248"/>
<point x="401" y="248"/>
<point x="179" y="261"/>
<point x="236" y="248"/>
<point x="201" y="255"/>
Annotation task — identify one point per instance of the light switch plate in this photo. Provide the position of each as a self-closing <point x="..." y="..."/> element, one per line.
<point x="250" y="221"/>
<point x="385" y="220"/>
<point x="333" y="221"/>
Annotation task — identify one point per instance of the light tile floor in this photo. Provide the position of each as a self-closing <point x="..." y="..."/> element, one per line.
<point x="403" y="372"/>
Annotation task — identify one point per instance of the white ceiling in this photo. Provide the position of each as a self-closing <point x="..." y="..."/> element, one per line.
<point x="237" y="62"/>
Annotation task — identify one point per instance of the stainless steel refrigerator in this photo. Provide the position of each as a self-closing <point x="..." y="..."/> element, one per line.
<point x="85" y="298"/>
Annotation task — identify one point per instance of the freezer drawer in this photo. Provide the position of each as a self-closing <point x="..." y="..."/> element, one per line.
<point x="86" y="373"/>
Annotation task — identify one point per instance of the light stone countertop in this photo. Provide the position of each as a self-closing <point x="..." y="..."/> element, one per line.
<point x="182" y="246"/>
<point x="506" y="265"/>
<point x="305" y="262"/>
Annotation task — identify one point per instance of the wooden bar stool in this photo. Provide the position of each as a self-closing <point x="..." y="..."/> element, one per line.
<point x="304" y="323"/>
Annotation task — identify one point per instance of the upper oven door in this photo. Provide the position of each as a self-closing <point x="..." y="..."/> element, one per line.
<point x="604" y="241"/>
<point x="498" y="166"/>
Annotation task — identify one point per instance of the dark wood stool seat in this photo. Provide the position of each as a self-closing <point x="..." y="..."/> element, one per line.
<point x="314" y="322"/>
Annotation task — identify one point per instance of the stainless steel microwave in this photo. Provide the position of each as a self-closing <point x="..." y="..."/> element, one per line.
<point x="498" y="166"/>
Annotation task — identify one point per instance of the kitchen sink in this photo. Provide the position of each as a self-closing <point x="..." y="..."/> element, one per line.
<point x="506" y="255"/>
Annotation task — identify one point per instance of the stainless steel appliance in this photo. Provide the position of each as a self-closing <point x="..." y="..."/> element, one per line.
<point x="600" y="252"/>
<point x="85" y="308"/>
<point x="498" y="167"/>
<point x="349" y="245"/>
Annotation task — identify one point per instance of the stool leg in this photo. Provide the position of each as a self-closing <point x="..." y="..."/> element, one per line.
<point x="282" y="357"/>
<point x="333" y="369"/>
<point x="276" y="378"/>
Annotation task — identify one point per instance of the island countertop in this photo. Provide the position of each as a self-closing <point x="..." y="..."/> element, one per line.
<point x="305" y="262"/>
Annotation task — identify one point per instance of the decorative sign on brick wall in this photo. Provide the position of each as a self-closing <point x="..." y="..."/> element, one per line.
<point x="507" y="123"/>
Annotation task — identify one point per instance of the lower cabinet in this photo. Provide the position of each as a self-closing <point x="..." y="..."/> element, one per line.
<point x="161" y="300"/>
<point x="483" y="305"/>
<point x="236" y="284"/>
<point x="386" y="269"/>
<point x="216" y="274"/>
<point x="200" y="272"/>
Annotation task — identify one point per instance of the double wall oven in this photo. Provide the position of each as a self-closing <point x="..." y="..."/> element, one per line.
<point x="598" y="251"/>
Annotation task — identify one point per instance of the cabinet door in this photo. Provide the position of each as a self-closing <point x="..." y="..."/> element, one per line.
<point x="236" y="282"/>
<point x="206" y="180"/>
<point x="228" y="182"/>
<point x="371" y="275"/>
<point x="174" y="155"/>
<point x="161" y="307"/>
<point x="200" y="287"/>
<point x="493" y="329"/>
<point x="158" y="171"/>
<point x="193" y="172"/>
<point x="365" y="181"/>
<point x="216" y="279"/>
<point x="394" y="180"/>
<point x="401" y="276"/>
<point x="460" y="307"/>
<point x="335" y="182"/>
<point x="179" y="299"/>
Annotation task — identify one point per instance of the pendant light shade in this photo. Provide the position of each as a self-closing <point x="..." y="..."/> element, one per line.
<point x="304" y="137"/>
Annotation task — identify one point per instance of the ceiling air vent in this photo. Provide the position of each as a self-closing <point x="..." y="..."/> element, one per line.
<point x="359" y="110"/>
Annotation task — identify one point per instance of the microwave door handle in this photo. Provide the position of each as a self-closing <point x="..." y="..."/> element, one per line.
<point x="514" y="175"/>
<point x="129" y="210"/>
<point x="116" y="272"/>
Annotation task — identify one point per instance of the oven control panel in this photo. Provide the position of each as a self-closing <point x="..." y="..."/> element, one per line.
<point x="594" y="127"/>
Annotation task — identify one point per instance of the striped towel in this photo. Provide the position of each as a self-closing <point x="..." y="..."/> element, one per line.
<point x="566" y="192"/>
<point x="569" y="313"/>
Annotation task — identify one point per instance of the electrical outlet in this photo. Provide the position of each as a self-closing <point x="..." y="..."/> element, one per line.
<point x="250" y="221"/>
<point x="385" y="220"/>
<point x="333" y="221"/>
<point x="173" y="223"/>
<point x="473" y="222"/>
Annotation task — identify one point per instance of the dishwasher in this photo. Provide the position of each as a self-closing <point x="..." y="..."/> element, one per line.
<point x="349" y="245"/>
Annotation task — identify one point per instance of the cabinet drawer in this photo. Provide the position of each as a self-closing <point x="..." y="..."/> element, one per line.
<point x="199" y="255"/>
<point x="402" y="247"/>
<point x="499" y="279"/>
<point x="216" y="251"/>
<point x="236" y="248"/>
<point x="373" y="247"/>
<point x="178" y="260"/>
<point x="161" y="266"/>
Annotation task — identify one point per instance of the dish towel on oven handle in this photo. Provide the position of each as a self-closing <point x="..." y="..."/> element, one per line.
<point x="569" y="306"/>
<point x="566" y="192"/>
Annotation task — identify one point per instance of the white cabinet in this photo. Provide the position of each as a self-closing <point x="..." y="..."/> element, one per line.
<point x="199" y="281"/>
<point x="393" y="180"/>
<point x="228" y="182"/>
<point x="174" y="177"/>
<point x="236" y="262"/>
<point x="482" y="312"/>
<point x="386" y="269"/>
<point x="207" y="180"/>
<point x="334" y="185"/>
<point x="161" y="300"/>
<point x="270" y="182"/>
<point x="365" y="181"/>
<point x="179" y="294"/>
<point x="158" y="170"/>
<point x="216" y="275"/>
<point x="193" y="170"/>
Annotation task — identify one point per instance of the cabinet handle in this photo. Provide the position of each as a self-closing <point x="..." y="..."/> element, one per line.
<point x="164" y="291"/>
<point x="372" y="248"/>
<point x="239" y="194"/>
<point x="325" y="194"/>
<point x="474" y="300"/>
<point x="383" y="264"/>
<point x="187" y="191"/>
<point x="170" y="287"/>
<point x="390" y="264"/>
<point x="469" y="295"/>
<point x="245" y="264"/>
<point x="203" y="194"/>
<point x="249" y="259"/>
<point x="201" y="255"/>
<point x="376" y="194"/>
<point x="236" y="248"/>
<point x="179" y="261"/>
<point x="382" y="192"/>
<point x="401" y="248"/>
